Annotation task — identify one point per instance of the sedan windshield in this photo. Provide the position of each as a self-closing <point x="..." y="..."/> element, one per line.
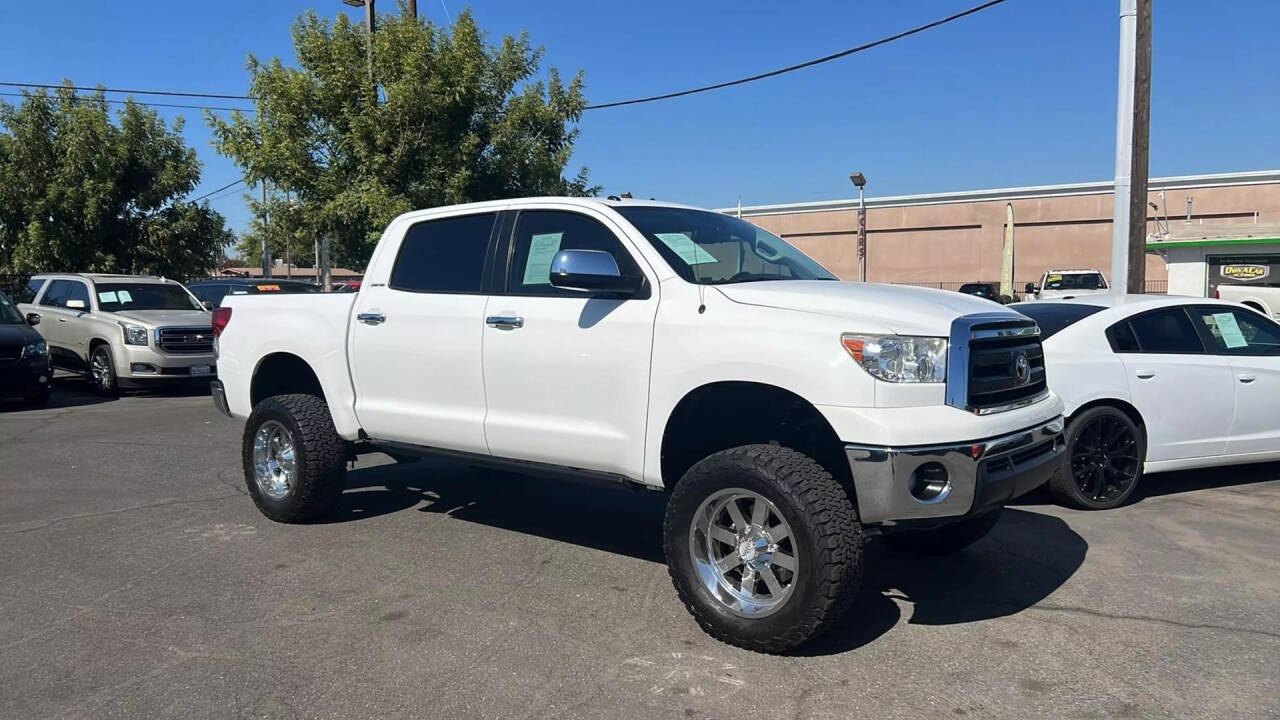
<point x="709" y="248"/>
<point x="115" y="297"/>
<point x="1053" y="317"/>
<point x="9" y="314"/>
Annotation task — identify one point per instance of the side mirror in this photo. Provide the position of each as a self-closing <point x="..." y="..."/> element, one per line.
<point x="33" y="318"/>
<point x="1030" y="288"/>
<point x="75" y="305"/>
<point x="591" y="271"/>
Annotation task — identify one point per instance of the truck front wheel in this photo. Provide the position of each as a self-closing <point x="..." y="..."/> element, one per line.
<point x="294" y="459"/>
<point x="763" y="546"/>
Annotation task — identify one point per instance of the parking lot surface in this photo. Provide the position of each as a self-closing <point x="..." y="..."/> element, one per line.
<point x="137" y="579"/>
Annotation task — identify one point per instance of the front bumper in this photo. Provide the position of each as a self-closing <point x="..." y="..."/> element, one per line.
<point x="902" y="484"/>
<point x="140" y="365"/>
<point x="26" y="378"/>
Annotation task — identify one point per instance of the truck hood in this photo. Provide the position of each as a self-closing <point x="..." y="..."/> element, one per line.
<point x="167" y="318"/>
<point x="902" y="309"/>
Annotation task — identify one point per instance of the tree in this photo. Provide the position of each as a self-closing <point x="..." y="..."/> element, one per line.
<point x="80" y="193"/>
<point x="450" y="120"/>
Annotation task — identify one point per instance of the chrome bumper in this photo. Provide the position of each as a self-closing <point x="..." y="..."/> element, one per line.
<point x="894" y="484"/>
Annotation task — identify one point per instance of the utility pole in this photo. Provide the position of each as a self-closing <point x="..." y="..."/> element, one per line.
<point x="860" y="181"/>
<point x="1133" y="130"/>
<point x="326" y="281"/>
<point x="413" y="9"/>
<point x="266" y="251"/>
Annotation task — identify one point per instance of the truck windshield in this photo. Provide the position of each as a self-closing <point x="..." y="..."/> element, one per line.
<point x="115" y="297"/>
<point x="9" y="314"/>
<point x="1075" y="281"/>
<point x="709" y="248"/>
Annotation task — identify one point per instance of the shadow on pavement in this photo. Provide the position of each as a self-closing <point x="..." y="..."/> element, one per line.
<point x="1025" y="558"/>
<point x="1203" y="479"/>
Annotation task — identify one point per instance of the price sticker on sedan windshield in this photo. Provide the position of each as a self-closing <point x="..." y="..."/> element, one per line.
<point x="1230" y="330"/>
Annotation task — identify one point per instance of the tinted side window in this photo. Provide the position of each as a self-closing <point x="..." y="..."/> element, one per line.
<point x="29" y="292"/>
<point x="1166" y="331"/>
<point x="443" y="256"/>
<point x="1122" y="338"/>
<point x="1238" y="332"/>
<point x="56" y="295"/>
<point x="541" y="234"/>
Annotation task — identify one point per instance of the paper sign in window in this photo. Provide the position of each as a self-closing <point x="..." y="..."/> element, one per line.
<point x="1230" y="330"/>
<point x="684" y="246"/>
<point x="107" y="297"/>
<point x="542" y="250"/>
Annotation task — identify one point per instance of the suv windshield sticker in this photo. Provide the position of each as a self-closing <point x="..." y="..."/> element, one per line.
<point x="107" y="297"/>
<point x="1230" y="330"/>
<point x="542" y="250"/>
<point x="684" y="246"/>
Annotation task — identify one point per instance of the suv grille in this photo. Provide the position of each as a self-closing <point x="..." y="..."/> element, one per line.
<point x="185" y="340"/>
<point x="1005" y="366"/>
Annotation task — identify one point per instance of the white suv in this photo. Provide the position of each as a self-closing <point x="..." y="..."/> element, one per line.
<point x="124" y="331"/>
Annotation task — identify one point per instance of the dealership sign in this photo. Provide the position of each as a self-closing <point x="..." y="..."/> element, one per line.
<point x="1245" y="271"/>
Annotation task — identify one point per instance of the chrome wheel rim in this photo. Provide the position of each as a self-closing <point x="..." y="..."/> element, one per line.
<point x="743" y="552"/>
<point x="274" y="460"/>
<point x="1104" y="459"/>
<point x="101" y="370"/>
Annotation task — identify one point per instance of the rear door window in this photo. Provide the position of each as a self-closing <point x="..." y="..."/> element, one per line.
<point x="444" y="256"/>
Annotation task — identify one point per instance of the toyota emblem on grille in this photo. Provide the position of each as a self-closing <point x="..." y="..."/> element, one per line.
<point x="1022" y="368"/>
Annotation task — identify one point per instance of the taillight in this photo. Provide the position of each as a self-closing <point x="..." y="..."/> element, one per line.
<point x="221" y="318"/>
<point x="1216" y="295"/>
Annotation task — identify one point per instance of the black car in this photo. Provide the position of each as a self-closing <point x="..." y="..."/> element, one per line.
<point x="24" y="356"/>
<point x="982" y="290"/>
<point x="210" y="292"/>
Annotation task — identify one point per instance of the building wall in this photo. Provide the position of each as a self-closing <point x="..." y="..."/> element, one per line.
<point x="937" y="239"/>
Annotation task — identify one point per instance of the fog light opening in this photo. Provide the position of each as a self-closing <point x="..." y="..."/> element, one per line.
<point x="930" y="483"/>
<point x="137" y="368"/>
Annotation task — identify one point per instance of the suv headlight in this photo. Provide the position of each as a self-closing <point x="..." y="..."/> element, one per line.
<point x="134" y="334"/>
<point x="899" y="358"/>
<point x="36" y="349"/>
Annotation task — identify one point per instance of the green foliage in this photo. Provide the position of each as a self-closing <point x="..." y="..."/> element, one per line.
<point x="81" y="193"/>
<point x="451" y="119"/>
<point x="284" y="227"/>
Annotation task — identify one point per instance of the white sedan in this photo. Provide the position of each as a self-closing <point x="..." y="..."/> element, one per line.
<point x="1154" y="383"/>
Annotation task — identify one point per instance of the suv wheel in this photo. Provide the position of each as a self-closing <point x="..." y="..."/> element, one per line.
<point x="294" y="459"/>
<point x="103" y="372"/>
<point x="944" y="539"/>
<point x="763" y="546"/>
<point x="1105" y="453"/>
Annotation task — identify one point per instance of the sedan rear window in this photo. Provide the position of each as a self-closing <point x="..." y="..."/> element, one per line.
<point x="1053" y="317"/>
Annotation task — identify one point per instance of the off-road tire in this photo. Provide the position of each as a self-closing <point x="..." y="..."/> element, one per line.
<point x="1063" y="487"/>
<point x="824" y="527"/>
<point x="944" y="539"/>
<point x="320" y="457"/>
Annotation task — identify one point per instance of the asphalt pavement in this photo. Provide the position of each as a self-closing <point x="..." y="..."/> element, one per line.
<point x="137" y="579"/>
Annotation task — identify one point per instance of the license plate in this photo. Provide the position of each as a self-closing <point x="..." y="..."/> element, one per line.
<point x="199" y="370"/>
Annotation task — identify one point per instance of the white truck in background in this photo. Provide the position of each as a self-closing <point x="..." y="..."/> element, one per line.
<point x="1265" y="300"/>
<point x="787" y="414"/>
<point x="1065" y="284"/>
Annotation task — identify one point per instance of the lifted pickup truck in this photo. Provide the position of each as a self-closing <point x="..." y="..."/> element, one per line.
<point x="788" y="415"/>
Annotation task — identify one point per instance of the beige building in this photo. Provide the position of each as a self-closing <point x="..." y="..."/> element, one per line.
<point x="945" y="239"/>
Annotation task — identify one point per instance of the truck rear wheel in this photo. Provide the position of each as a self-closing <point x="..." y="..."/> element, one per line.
<point x="294" y="459"/>
<point x="763" y="546"/>
<point x="945" y="539"/>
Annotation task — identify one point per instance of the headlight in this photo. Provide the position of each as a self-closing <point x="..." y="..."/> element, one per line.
<point x="36" y="349"/>
<point x="134" y="334"/>
<point x="899" y="358"/>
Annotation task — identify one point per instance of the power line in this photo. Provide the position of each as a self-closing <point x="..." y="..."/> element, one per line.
<point x="800" y="66"/>
<point x="171" y="93"/>
<point x="228" y="186"/>
<point x="154" y="105"/>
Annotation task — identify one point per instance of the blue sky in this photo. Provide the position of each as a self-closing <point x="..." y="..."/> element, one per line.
<point x="1021" y="94"/>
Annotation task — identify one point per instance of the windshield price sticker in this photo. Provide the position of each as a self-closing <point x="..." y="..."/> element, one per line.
<point x="542" y="250"/>
<point x="1230" y="330"/>
<point x="107" y="297"/>
<point x="683" y="245"/>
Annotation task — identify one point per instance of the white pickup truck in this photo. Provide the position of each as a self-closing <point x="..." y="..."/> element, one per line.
<point x="1264" y="299"/>
<point x="788" y="415"/>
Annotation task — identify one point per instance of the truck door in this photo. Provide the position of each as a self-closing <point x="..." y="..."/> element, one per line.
<point x="567" y="373"/>
<point x="415" y="341"/>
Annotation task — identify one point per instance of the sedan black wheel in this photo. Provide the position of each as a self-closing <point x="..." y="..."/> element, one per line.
<point x="1105" y="453"/>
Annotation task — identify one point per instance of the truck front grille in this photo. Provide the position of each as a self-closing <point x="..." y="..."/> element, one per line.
<point x="185" y="340"/>
<point x="998" y="363"/>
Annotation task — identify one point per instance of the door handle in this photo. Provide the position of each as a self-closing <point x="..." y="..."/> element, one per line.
<point x="1145" y="374"/>
<point x="62" y="319"/>
<point x="506" y="322"/>
<point x="371" y="318"/>
<point x="1247" y="378"/>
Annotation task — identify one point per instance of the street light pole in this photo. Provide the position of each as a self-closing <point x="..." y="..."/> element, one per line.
<point x="860" y="181"/>
<point x="369" y="25"/>
<point x="1133" y="121"/>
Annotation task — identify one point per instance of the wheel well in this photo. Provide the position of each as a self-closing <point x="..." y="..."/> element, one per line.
<point x="283" y="374"/>
<point x="723" y="415"/>
<point x="1255" y="305"/>
<point x="1118" y="404"/>
<point x="94" y="344"/>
